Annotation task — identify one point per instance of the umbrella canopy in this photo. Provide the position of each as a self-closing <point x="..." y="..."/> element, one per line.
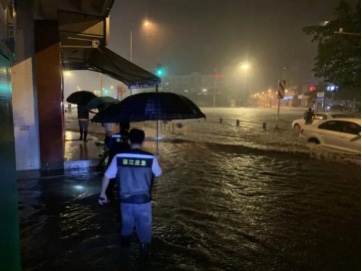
<point x="82" y="97"/>
<point x="150" y="106"/>
<point x="101" y="102"/>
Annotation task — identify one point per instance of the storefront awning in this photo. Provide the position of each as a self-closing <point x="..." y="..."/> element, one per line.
<point x="103" y="60"/>
<point x="108" y="62"/>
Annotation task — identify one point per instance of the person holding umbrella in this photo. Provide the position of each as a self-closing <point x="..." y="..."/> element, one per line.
<point x="81" y="99"/>
<point x="117" y="143"/>
<point x="83" y="120"/>
<point x="134" y="171"/>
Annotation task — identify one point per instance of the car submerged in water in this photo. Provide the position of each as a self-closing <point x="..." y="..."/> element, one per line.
<point x="342" y="134"/>
<point x="298" y="123"/>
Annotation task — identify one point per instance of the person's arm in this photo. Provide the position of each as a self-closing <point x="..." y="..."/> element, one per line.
<point x="110" y="173"/>
<point x="156" y="169"/>
<point x="105" y="183"/>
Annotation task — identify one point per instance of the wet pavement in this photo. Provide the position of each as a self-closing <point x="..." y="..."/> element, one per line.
<point x="76" y="149"/>
<point x="216" y="207"/>
<point x="80" y="156"/>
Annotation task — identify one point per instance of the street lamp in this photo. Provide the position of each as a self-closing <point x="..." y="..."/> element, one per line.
<point x="270" y="98"/>
<point x="245" y="67"/>
<point x="146" y="23"/>
<point x="130" y="46"/>
<point x="340" y="31"/>
<point x="101" y="82"/>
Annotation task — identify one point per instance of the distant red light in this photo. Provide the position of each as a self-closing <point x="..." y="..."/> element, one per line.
<point x="219" y="75"/>
<point x="312" y="88"/>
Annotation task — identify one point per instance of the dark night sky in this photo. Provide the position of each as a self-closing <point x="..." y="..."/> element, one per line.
<point x="199" y="35"/>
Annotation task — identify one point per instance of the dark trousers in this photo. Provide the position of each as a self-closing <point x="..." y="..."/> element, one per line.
<point x="83" y="128"/>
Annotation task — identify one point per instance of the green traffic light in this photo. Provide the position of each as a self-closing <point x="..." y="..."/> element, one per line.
<point x="159" y="72"/>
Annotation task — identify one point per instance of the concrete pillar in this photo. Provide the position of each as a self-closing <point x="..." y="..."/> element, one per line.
<point x="9" y="221"/>
<point x="26" y="126"/>
<point x="49" y="94"/>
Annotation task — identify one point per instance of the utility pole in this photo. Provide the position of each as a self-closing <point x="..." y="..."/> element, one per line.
<point x="214" y="98"/>
<point x="130" y="46"/>
<point x="101" y="79"/>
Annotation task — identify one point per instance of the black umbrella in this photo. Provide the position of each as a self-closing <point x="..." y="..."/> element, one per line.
<point x="82" y="97"/>
<point x="101" y="102"/>
<point x="150" y="106"/>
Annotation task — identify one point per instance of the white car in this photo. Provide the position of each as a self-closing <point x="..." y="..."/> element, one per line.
<point x="342" y="134"/>
<point x="298" y="123"/>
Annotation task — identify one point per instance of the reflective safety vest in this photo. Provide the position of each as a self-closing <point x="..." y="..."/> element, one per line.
<point x="134" y="176"/>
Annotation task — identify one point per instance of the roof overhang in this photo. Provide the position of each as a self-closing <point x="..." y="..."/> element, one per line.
<point x="84" y="34"/>
<point x="83" y="24"/>
<point x="105" y="61"/>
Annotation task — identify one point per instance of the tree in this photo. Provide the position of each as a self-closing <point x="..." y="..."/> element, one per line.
<point x="339" y="49"/>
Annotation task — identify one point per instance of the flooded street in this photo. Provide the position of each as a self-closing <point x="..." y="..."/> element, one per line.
<point x="227" y="205"/>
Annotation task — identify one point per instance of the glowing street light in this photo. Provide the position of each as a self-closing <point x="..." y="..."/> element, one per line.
<point x="245" y="66"/>
<point x="146" y="22"/>
<point x="67" y="73"/>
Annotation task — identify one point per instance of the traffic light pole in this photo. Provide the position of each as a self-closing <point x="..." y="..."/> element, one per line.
<point x="101" y="79"/>
<point x="130" y="46"/>
<point x="214" y="98"/>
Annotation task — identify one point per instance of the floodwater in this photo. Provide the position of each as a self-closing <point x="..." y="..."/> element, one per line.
<point x="218" y="206"/>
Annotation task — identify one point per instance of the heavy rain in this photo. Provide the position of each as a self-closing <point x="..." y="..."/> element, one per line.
<point x="241" y="189"/>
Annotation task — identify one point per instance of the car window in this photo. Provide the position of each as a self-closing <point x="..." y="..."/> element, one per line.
<point x="331" y="125"/>
<point x="341" y="126"/>
<point x="350" y="128"/>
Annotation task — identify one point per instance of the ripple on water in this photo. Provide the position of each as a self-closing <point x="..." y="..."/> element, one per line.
<point x="215" y="208"/>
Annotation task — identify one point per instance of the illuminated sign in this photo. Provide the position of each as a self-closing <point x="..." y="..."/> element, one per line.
<point x="312" y="88"/>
